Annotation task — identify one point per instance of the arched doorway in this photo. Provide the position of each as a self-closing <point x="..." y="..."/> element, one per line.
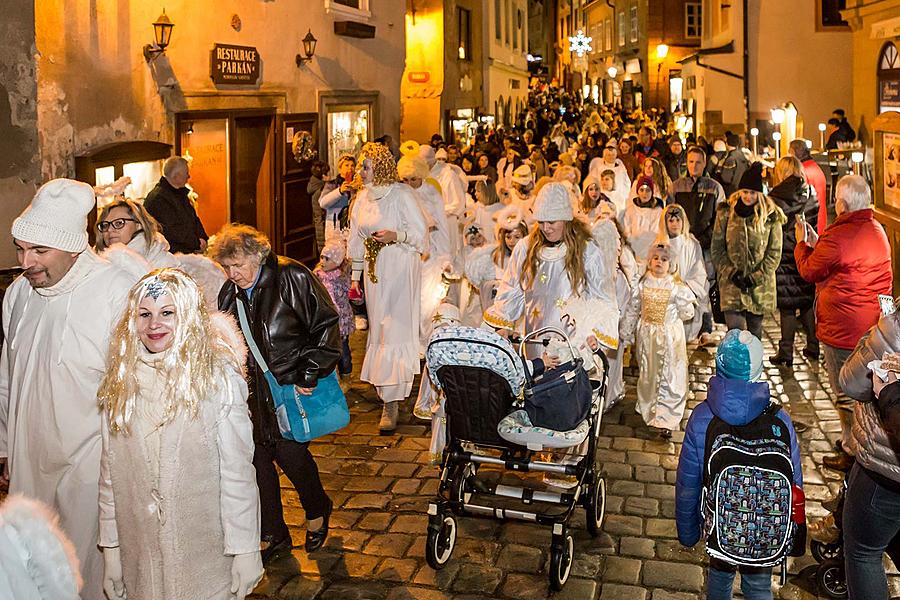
<point x="889" y="78"/>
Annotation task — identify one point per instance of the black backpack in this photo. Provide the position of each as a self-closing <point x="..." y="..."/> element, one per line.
<point x="747" y="491"/>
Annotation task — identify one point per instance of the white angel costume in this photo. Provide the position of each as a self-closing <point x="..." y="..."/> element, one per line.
<point x="437" y="257"/>
<point x="454" y="194"/>
<point x="393" y="284"/>
<point x="483" y="216"/>
<point x="654" y="318"/>
<point x="688" y="256"/>
<point x="641" y="226"/>
<point x="541" y="303"/>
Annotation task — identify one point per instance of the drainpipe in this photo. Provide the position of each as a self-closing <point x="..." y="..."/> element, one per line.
<point x="746" y="66"/>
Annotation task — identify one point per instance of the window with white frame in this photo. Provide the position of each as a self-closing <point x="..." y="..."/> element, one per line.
<point x="609" y="35"/>
<point x="634" y="23"/>
<point x="621" y="28"/>
<point x="348" y="8"/>
<point x="598" y="37"/>
<point x="693" y="22"/>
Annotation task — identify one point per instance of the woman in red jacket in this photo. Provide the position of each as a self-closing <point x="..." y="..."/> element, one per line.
<point x="850" y="265"/>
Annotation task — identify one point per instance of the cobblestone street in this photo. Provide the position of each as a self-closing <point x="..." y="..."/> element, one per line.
<point x="381" y="486"/>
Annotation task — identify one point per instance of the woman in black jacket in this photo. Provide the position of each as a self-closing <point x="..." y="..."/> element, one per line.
<point x="295" y="325"/>
<point x="795" y="296"/>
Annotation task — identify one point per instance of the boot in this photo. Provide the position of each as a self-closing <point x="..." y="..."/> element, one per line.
<point x="388" y="422"/>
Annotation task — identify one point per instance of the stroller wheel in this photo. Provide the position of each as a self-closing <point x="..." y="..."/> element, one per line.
<point x="832" y="580"/>
<point x="562" y="553"/>
<point x="822" y="551"/>
<point x="440" y="541"/>
<point x="595" y="507"/>
<point x="460" y="485"/>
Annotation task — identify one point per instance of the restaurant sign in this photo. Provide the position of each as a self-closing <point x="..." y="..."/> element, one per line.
<point x="234" y="65"/>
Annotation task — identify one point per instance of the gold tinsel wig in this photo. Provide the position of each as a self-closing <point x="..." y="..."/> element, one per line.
<point x="383" y="164"/>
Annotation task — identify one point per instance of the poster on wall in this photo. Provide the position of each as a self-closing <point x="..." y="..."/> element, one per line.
<point x="891" y="170"/>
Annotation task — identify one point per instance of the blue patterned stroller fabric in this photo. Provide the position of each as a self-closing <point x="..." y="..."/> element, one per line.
<point x="458" y="345"/>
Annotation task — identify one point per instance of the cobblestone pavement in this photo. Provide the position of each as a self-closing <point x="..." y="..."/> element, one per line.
<point x="381" y="486"/>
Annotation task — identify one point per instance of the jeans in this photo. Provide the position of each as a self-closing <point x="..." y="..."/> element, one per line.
<point x="742" y="319"/>
<point x="834" y="360"/>
<point x="871" y="520"/>
<point x="300" y="468"/>
<point x="790" y="323"/>
<point x="756" y="582"/>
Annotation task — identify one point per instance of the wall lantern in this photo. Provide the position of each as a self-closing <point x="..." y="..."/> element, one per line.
<point x="777" y="115"/>
<point x="309" y="48"/>
<point x="162" y="35"/>
<point x="662" y="51"/>
<point x="612" y="72"/>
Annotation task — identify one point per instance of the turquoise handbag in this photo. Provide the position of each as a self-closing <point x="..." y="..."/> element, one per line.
<point x="301" y="418"/>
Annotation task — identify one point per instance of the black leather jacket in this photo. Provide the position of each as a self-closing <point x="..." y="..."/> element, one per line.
<point x="295" y="325"/>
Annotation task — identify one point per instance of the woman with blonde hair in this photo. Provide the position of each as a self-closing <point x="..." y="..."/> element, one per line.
<point x="555" y="264"/>
<point x="795" y="296"/>
<point x="179" y="507"/>
<point x="387" y="239"/>
<point x="746" y="250"/>
<point x="129" y="237"/>
<point x="662" y="184"/>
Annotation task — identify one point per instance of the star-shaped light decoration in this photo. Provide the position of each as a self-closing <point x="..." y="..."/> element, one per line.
<point x="560" y="303"/>
<point x="543" y="278"/>
<point x="580" y="44"/>
<point x="535" y="314"/>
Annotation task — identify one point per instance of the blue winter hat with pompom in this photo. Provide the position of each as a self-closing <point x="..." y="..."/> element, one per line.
<point x="740" y="356"/>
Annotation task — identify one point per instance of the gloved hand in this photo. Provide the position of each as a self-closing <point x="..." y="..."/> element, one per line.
<point x="246" y="572"/>
<point x="113" y="584"/>
<point x="743" y="282"/>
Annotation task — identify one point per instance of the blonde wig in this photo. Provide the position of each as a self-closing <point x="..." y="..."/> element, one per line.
<point x="383" y="165"/>
<point x="149" y="226"/>
<point x="576" y="236"/>
<point x="663" y="236"/>
<point x="192" y="367"/>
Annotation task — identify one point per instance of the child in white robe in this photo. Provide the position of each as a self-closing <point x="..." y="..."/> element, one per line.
<point x="658" y="305"/>
<point x="687" y="255"/>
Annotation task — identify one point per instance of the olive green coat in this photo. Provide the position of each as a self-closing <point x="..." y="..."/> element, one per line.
<point x="739" y="247"/>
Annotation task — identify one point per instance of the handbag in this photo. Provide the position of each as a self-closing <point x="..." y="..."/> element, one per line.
<point x="301" y="418"/>
<point x="558" y="399"/>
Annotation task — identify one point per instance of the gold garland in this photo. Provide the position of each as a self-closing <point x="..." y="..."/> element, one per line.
<point x="373" y="247"/>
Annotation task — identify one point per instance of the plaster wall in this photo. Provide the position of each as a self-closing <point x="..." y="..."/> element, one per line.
<point x="791" y="61"/>
<point x="95" y="86"/>
<point x="19" y="155"/>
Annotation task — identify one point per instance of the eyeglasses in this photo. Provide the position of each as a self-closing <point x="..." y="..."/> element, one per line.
<point x="115" y="224"/>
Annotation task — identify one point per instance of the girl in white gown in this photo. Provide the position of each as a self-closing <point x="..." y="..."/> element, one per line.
<point x="641" y="219"/>
<point x="687" y="255"/>
<point x="387" y="240"/>
<point x="658" y="305"/>
<point x="413" y="171"/>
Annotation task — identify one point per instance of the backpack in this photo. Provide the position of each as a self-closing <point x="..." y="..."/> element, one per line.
<point x="729" y="169"/>
<point x="747" y="491"/>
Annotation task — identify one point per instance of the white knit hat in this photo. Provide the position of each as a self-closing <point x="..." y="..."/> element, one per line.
<point x="523" y="175"/>
<point x="553" y="203"/>
<point x="57" y="216"/>
<point x="509" y="217"/>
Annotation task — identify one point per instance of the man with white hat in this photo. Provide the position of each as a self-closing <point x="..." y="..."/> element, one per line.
<point x="57" y="319"/>
<point x="609" y="161"/>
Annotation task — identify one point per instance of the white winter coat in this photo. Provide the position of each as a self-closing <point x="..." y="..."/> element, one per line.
<point x="52" y="362"/>
<point x="182" y="500"/>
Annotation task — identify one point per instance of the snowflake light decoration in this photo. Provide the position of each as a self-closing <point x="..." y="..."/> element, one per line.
<point x="580" y="44"/>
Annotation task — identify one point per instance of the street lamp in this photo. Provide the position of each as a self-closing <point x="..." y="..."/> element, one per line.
<point x="776" y="137"/>
<point x="857" y="158"/>
<point x="662" y="51"/>
<point x="822" y="136"/>
<point x="754" y="133"/>
<point x="309" y="48"/>
<point x="612" y="72"/>
<point x="162" y="35"/>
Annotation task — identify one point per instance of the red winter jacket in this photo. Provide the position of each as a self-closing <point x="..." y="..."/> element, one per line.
<point x="851" y="266"/>
<point x="816" y="178"/>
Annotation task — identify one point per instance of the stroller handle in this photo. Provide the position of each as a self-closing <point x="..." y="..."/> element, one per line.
<point x="528" y="337"/>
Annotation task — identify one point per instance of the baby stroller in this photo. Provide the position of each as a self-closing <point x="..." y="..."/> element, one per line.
<point x="483" y="380"/>
<point x="828" y="550"/>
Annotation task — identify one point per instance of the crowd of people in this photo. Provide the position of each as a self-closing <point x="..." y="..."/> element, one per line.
<point x="604" y="223"/>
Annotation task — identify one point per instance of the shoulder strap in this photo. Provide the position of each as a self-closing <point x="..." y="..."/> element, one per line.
<point x="248" y="335"/>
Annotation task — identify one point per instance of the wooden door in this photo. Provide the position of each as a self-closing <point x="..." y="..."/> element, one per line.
<point x="295" y="233"/>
